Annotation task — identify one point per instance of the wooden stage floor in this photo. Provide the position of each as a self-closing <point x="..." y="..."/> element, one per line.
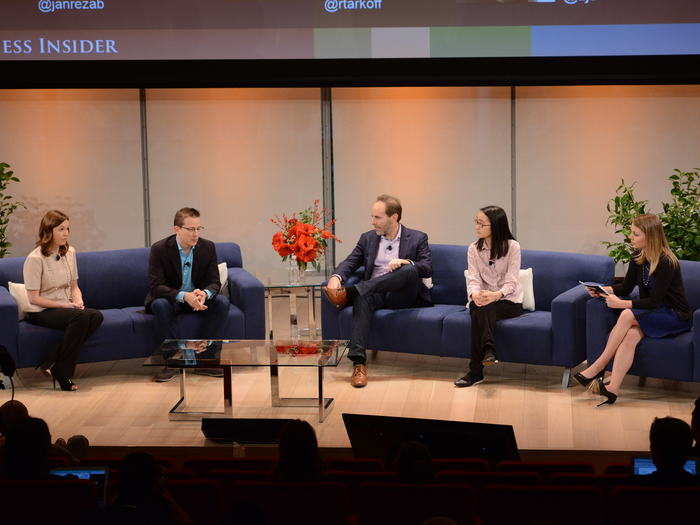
<point x="118" y="404"/>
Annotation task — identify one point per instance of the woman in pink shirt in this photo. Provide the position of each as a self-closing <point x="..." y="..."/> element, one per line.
<point x="493" y="287"/>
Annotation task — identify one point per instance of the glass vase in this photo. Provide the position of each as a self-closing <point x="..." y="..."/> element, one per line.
<point x="295" y="272"/>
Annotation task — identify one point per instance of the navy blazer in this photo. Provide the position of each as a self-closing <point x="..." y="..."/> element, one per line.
<point x="413" y="247"/>
<point x="165" y="269"/>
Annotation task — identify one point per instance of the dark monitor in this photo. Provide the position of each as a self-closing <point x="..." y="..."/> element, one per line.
<point x="374" y="436"/>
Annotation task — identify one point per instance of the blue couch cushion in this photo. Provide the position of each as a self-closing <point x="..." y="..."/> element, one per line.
<point x="113" y="340"/>
<point x="556" y="272"/>
<point x="411" y="330"/>
<point x="190" y="323"/>
<point x="456" y="333"/>
<point x="690" y="272"/>
<point x="449" y="285"/>
<point x="666" y="358"/>
<point x="526" y="339"/>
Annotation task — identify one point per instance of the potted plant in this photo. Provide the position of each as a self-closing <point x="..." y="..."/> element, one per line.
<point x="7" y="206"/>
<point x="622" y="209"/>
<point x="680" y="217"/>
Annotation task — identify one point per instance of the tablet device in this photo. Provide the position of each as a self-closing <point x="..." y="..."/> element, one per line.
<point x="98" y="475"/>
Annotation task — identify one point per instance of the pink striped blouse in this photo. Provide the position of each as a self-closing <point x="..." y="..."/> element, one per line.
<point x="499" y="276"/>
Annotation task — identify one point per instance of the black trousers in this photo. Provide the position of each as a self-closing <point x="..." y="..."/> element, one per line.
<point x="395" y="290"/>
<point x="78" y="325"/>
<point x="483" y="326"/>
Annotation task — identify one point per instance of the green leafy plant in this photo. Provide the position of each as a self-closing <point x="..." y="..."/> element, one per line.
<point x="622" y="209"/>
<point x="681" y="216"/>
<point x="7" y="206"/>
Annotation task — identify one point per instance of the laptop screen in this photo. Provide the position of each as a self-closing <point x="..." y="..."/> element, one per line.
<point x="642" y="466"/>
<point x="98" y="475"/>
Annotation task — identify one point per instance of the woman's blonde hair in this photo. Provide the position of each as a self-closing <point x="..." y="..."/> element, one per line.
<point x="50" y="220"/>
<point x="656" y="243"/>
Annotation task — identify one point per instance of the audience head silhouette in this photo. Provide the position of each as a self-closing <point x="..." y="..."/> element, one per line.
<point x="11" y="413"/>
<point x="412" y="461"/>
<point x="140" y="474"/>
<point x="670" y="441"/>
<point x="299" y="459"/>
<point x="27" y="447"/>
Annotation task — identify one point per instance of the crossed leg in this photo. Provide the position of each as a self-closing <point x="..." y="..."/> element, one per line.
<point x="621" y="345"/>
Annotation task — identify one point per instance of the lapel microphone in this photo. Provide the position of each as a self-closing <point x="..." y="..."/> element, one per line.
<point x="58" y="257"/>
<point x="390" y="247"/>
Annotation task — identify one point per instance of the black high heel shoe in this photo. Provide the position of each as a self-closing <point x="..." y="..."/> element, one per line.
<point x="611" y="398"/>
<point x="586" y="381"/>
<point x="66" y="385"/>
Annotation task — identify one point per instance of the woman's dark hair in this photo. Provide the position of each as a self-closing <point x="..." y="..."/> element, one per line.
<point x="49" y="221"/>
<point x="500" y="232"/>
<point x="299" y="459"/>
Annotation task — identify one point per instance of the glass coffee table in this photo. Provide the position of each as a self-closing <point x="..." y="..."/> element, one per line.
<point x="188" y="354"/>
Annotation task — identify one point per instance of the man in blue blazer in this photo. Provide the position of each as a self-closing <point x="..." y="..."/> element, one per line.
<point x="395" y="259"/>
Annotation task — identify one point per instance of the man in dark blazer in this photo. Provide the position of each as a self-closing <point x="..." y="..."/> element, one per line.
<point x="395" y="259"/>
<point x="184" y="277"/>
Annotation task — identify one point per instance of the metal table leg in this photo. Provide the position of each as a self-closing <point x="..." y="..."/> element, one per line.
<point x="323" y="403"/>
<point x="268" y="320"/>
<point x="179" y="411"/>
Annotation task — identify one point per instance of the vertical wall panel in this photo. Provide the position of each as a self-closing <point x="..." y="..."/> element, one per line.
<point x="77" y="151"/>
<point x="238" y="155"/>
<point x="574" y="144"/>
<point x="444" y="152"/>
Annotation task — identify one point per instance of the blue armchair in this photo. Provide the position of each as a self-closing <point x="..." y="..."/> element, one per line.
<point x="116" y="283"/>
<point x="676" y="357"/>
<point x="554" y="334"/>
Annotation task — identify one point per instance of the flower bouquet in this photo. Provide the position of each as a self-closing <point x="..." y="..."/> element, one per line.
<point x="303" y="237"/>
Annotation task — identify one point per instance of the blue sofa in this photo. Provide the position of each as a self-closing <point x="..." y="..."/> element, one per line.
<point x="676" y="357"/>
<point x="554" y="334"/>
<point x="116" y="282"/>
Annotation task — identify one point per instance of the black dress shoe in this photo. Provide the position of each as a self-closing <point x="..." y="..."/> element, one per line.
<point x="489" y="359"/>
<point x="211" y="372"/>
<point x="610" y="397"/>
<point x="166" y="374"/>
<point x="586" y="381"/>
<point x="468" y="380"/>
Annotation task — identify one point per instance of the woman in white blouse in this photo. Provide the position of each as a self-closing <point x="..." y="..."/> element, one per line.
<point x="51" y="280"/>
<point x="493" y="287"/>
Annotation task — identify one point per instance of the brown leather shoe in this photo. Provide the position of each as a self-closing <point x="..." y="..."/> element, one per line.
<point x="337" y="296"/>
<point x="359" y="376"/>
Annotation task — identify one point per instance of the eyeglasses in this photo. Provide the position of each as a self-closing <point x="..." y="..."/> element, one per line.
<point x="481" y="224"/>
<point x="192" y="230"/>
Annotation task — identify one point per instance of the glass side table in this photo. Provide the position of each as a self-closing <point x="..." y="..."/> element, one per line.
<point x="310" y="291"/>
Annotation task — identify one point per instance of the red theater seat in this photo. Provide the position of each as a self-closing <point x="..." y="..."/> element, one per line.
<point x="545" y="468"/>
<point x="646" y="505"/>
<point x="58" y="502"/>
<point x="465" y="465"/>
<point x="411" y="504"/>
<point x="199" y="498"/>
<point x="541" y="505"/>
<point x="320" y="503"/>
<point x="485" y="478"/>
<point x="356" y="465"/>
<point x="204" y="465"/>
